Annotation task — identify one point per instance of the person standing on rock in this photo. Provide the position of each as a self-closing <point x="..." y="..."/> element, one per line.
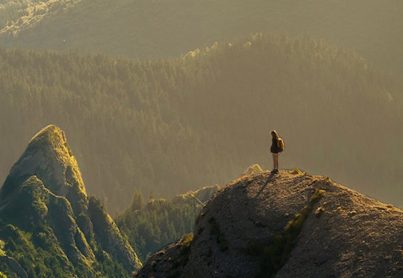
<point x="277" y="146"/>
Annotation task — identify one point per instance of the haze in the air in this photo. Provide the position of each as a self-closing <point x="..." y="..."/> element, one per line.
<point x="166" y="96"/>
<point x="137" y="138"/>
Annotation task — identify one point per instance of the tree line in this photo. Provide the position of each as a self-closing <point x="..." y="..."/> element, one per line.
<point x="166" y="126"/>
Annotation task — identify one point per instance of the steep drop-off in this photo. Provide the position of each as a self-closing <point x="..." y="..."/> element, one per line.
<point x="289" y="225"/>
<point x="49" y="226"/>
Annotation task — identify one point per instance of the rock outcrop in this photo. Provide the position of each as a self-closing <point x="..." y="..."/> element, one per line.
<point x="45" y="211"/>
<point x="287" y="225"/>
<point x="199" y="196"/>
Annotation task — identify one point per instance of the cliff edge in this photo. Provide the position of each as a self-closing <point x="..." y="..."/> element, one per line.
<point x="288" y="225"/>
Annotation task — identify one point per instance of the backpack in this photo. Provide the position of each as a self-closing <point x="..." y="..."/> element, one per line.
<point x="280" y="144"/>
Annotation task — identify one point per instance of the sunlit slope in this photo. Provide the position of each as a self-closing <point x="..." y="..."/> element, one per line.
<point x="49" y="227"/>
<point x="169" y="126"/>
<point x="149" y="29"/>
<point x="16" y="15"/>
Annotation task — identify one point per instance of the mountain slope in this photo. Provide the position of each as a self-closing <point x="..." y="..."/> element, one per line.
<point x="144" y="29"/>
<point x="172" y="125"/>
<point x="18" y="15"/>
<point x="288" y="225"/>
<point x="151" y="226"/>
<point x="49" y="225"/>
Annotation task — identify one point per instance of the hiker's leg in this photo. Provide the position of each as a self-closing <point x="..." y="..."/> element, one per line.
<point x="278" y="156"/>
<point x="275" y="161"/>
<point x="276" y="166"/>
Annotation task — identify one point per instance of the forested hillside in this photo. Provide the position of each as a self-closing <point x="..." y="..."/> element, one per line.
<point x="151" y="225"/>
<point x="49" y="226"/>
<point x="150" y="29"/>
<point x="172" y="125"/>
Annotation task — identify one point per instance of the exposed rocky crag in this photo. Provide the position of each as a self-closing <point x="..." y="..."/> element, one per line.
<point x="288" y="225"/>
<point x="45" y="213"/>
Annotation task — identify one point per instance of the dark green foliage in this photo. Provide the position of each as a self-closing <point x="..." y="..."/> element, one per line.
<point x="38" y="236"/>
<point x="170" y="125"/>
<point x="158" y="223"/>
<point x="38" y="253"/>
<point x="273" y="256"/>
<point x="84" y="222"/>
<point x="109" y="238"/>
<point x="108" y="267"/>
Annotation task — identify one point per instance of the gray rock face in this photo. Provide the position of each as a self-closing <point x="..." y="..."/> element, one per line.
<point x="288" y="225"/>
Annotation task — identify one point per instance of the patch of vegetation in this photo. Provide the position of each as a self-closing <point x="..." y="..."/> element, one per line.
<point x="184" y="245"/>
<point x="39" y="253"/>
<point x="153" y="225"/>
<point x="2" y="252"/>
<point x="36" y="232"/>
<point x="36" y="261"/>
<point x="297" y="171"/>
<point x="272" y="257"/>
<point x="186" y="240"/>
<point x="107" y="267"/>
<point x="215" y="231"/>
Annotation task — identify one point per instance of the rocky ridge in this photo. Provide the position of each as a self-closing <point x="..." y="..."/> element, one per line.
<point x="287" y="225"/>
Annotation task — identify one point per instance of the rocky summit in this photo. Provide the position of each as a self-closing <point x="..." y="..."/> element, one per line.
<point x="49" y="226"/>
<point x="288" y="225"/>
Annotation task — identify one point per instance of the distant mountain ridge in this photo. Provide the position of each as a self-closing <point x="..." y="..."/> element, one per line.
<point x="288" y="225"/>
<point x="169" y="126"/>
<point x="143" y="29"/>
<point x="49" y="226"/>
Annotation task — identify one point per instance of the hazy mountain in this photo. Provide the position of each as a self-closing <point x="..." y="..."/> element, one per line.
<point x="154" y="224"/>
<point x="287" y="225"/>
<point x="49" y="226"/>
<point x="169" y="126"/>
<point x="158" y="29"/>
<point x="17" y="15"/>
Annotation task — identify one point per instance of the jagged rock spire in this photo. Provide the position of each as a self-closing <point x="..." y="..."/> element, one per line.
<point x="49" y="157"/>
<point x="45" y="195"/>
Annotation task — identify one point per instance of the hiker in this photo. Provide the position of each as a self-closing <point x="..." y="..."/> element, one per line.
<point x="277" y="146"/>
